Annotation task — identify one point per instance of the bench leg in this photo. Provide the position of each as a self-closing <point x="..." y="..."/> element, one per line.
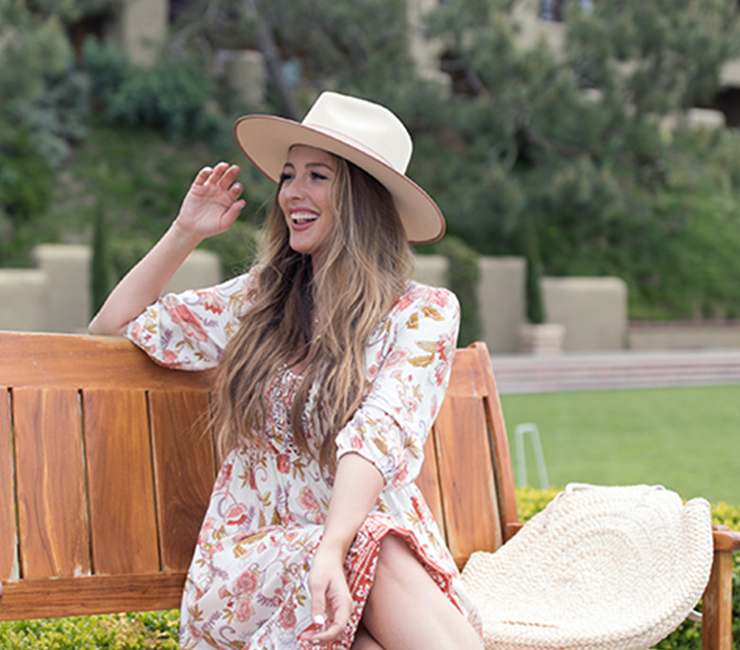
<point x="717" y="605"/>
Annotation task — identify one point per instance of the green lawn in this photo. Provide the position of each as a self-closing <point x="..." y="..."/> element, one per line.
<point x="687" y="439"/>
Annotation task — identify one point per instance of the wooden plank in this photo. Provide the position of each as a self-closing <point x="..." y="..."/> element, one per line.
<point x="52" y="515"/>
<point x="503" y="471"/>
<point x="184" y="470"/>
<point x="7" y="492"/>
<point x="428" y="482"/>
<point x="717" y="605"/>
<point x="75" y="361"/>
<point x="120" y="483"/>
<point x="91" y="595"/>
<point x="467" y="377"/>
<point x="466" y="478"/>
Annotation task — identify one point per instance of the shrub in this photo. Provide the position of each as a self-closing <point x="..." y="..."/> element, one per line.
<point x="171" y="96"/>
<point x="463" y="276"/>
<point x="140" y="631"/>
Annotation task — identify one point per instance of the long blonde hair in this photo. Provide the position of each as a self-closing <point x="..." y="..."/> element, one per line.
<point x="320" y="321"/>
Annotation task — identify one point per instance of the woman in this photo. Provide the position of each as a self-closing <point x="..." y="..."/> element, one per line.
<point x="332" y="365"/>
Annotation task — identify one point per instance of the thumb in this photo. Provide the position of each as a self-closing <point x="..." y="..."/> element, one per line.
<point x="317" y="589"/>
<point x="318" y="609"/>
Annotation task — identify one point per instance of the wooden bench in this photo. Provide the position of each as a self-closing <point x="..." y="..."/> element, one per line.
<point x="106" y="468"/>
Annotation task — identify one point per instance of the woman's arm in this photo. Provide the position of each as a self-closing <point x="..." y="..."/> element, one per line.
<point x="210" y="208"/>
<point x="357" y="485"/>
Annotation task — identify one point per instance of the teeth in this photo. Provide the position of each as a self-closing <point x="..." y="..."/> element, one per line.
<point x="304" y="216"/>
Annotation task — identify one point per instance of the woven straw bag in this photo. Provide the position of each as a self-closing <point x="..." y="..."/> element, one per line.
<point x="605" y="568"/>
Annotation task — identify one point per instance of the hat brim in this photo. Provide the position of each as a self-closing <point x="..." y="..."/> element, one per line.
<point x="266" y="141"/>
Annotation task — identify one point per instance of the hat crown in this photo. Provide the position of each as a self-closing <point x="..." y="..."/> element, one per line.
<point x="370" y="127"/>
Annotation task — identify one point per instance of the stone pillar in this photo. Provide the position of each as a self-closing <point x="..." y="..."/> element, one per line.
<point x="245" y="74"/>
<point x="593" y="310"/>
<point x="201" y="269"/>
<point x="501" y="298"/>
<point x="431" y="270"/>
<point x="23" y="296"/>
<point x="424" y="51"/>
<point x="140" y="29"/>
<point x="67" y="269"/>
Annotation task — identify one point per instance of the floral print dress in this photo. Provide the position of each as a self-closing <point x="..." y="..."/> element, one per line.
<point x="247" y="584"/>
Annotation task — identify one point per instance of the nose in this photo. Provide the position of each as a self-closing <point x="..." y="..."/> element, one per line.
<point x="293" y="189"/>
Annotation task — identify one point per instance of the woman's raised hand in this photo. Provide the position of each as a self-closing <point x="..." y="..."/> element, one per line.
<point x="210" y="207"/>
<point x="212" y="204"/>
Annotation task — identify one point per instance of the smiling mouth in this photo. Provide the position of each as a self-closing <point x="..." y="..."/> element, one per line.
<point x="303" y="218"/>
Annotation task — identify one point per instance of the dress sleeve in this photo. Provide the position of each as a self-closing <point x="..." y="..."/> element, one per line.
<point x="409" y="369"/>
<point x="189" y="330"/>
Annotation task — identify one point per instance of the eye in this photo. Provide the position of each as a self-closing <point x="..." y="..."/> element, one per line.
<point x="318" y="176"/>
<point x="285" y="176"/>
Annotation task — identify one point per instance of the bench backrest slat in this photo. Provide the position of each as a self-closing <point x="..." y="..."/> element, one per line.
<point x="119" y="467"/>
<point x="51" y="494"/>
<point x="472" y="520"/>
<point x="184" y="471"/>
<point x="7" y="491"/>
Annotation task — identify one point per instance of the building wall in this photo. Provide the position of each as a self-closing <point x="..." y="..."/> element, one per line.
<point x="55" y="297"/>
<point x="140" y="29"/>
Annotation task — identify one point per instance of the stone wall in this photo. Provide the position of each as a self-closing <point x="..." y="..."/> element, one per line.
<point x="592" y="310"/>
<point x="55" y="297"/>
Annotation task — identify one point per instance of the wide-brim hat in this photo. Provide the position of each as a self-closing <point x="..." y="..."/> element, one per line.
<point x="363" y="132"/>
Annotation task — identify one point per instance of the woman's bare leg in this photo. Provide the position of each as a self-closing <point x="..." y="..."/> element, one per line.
<point x="363" y="640"/>
<point x="406" y="609"/>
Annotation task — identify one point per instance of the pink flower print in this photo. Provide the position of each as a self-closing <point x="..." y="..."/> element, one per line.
<point x="236" y="514"/>
<point x="223" y="593"/>
<point x="191" y="326"/>
<point x="243" y="610"/>
<point x="404" y="301"/>
<point x="402" y="473"/>
<point x="223" y="476"/>
<point x="283" y="463"/>
<point x="287" y="618"/>
<point x="420" y="508"/>
<point x="396" y="358"/>
<point x="247" y="583"/>
<point x="169" y="358"/>
<point x="356" y="442"/>
<point x="308" y="501"/>
<point x="210" y="301"/>
<point x="435" y="406"/>
<point x="439" y="297"/>
<point x="194" y="630"/>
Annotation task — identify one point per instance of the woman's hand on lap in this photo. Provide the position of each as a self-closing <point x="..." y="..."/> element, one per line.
<point x="331" y="601"/>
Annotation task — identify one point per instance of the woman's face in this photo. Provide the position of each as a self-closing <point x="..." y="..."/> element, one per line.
<point x="305" y="197"/>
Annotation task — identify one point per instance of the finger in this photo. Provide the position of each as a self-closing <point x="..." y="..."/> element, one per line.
<point x="203" y="175"/>
<point x="229" y="176"/>
<point x="218" y="173"/>
<point x="235" y="191"/>
<point x="232" y="214"/>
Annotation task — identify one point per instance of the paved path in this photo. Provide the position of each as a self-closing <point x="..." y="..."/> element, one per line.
<point x="628" y="369"/>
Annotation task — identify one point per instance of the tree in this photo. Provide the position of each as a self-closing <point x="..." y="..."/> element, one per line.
<point x="562" y="157"/>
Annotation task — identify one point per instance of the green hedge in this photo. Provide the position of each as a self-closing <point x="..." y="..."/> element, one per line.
<point x="159" y="630"/>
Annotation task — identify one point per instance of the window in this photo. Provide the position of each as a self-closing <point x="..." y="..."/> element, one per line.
<point x="553" y="9"/>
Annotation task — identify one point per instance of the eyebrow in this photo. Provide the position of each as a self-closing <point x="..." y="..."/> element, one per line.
<point x="311" y="164"/>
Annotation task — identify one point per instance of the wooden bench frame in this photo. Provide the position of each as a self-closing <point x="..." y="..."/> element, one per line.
<point x="106" y="466"/>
